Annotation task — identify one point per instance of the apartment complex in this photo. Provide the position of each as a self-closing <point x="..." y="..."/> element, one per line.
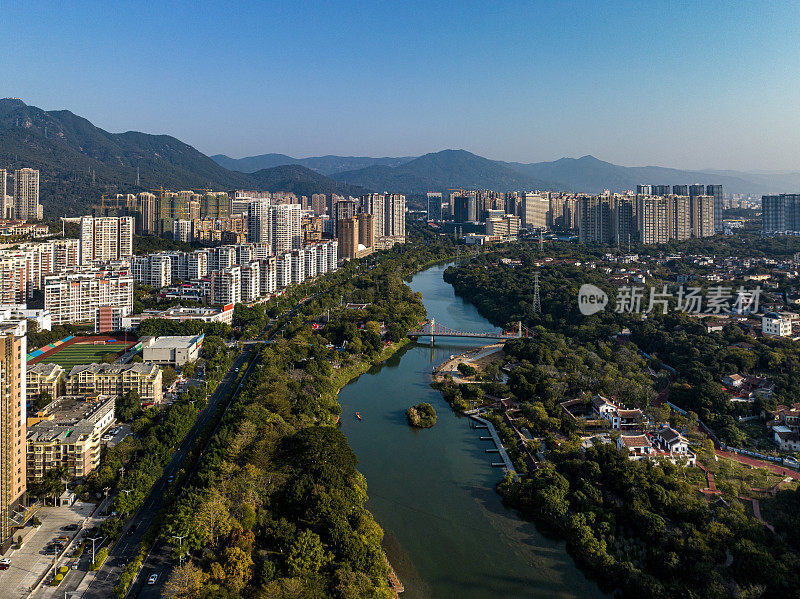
<point x="75" y="297"/>
<point x="13" y="352"/>
<point x="105" y="238"/>
<point x="44" y="378"/>
<point x="26" y="195"/>
<point x="116" y="379"/>
<point x="67" y="434"/>
<point x="780" y="213"/>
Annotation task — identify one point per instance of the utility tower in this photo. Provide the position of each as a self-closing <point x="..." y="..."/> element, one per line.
<point x="537" y="302"/>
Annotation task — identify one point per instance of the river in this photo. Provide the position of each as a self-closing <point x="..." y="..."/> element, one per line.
<point x="447" y="533"/>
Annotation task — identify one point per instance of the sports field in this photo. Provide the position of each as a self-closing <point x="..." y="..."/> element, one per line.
<point x="83" y="353"/>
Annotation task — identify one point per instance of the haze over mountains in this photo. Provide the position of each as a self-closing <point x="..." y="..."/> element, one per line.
<point x="79" y="162"/>
<point x="459" y="168"/>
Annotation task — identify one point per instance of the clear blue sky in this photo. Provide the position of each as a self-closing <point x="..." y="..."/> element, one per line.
<point x="695" y="85"/>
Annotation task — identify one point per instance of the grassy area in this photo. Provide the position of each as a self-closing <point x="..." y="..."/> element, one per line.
<point x="83" y="353"/>
<point x="733" y="478"/>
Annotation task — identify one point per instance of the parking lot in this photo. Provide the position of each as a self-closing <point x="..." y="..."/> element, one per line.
<point x="30" y="562"/>
<point x="125" y="430"/>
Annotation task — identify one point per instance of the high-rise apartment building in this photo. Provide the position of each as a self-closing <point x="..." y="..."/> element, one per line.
<point x="536" y="209"/>
<point x="319" y="204"/>
<point x="226" y="286"/>
<point x="435" y="205"/>
<point x="13" y="352"/>
<point x="76" y="297"/>
<point x="594" y="219"/>
<point x="394" y="215"/>
<point x="715" y="191"/>
<point x="285" y="230"/>
<point x="258" y="215"/>
<point x="105" y="238"/>
<point x="780" y="213"/>
<point x="645" y="190"/>
<point x="624" y="220"/>
<point x="680" y="218"/>
<point x="697" y="190"/>
<point x="660" y="190"/>
<point x="26" y="194"/>
<point x="702" y="207"/>
<point x="651" y="212"/>
<point x="680" y="190"/>
<point x="147" y="215"/>
<point x="6" y="199"/>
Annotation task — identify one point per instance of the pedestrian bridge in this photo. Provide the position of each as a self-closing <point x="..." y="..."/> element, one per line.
<point x="431" y="328"/>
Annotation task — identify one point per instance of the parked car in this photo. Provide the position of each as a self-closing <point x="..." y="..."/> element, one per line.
<point x="107" y="438"/>
<point x="153" y="579"/>
<point x="5" y="563"/>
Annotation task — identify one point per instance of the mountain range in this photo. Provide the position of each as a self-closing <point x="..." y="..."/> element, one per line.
<point x="78" y="162"/>
<point x="448" y="169"/>
<point x="325" y="165"/>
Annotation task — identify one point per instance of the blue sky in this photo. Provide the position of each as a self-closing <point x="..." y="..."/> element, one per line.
<point x="689" y="85"/>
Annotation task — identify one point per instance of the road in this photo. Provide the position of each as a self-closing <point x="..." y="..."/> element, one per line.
<point x="102" y="586"/>
<point x="159" y="560"/>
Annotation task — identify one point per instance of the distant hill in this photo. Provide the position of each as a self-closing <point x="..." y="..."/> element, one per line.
<point x="326" y="165"/>
<point x="444" y="170"/>
<point x="591" y="175"/>
<point x="79" y="162"/>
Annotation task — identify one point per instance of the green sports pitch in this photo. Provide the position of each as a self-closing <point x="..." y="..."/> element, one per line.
<point x="83" y="353"/>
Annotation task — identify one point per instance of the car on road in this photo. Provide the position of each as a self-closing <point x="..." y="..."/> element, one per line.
<point x="153" y="579"/>
<point x="70" y="527"/>
<point x="73" y="565"/>
<point x="5" y="563"/>
<point x="131" y="530"/>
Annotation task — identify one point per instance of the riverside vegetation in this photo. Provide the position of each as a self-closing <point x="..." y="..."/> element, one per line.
<point x="640" y="527"/>
<point x="277" y="507"/>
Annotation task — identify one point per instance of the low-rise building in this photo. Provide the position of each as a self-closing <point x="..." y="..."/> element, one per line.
<point x="786" y="438"/>
<point x="44" y="377"/>
<point x="619" y="417"/>
<point x="117" y="379"/>
<point x="776" y="325"/>
<point x="68" y="434"/>
<point x="223" y="315"/>
<point x="639" y="446"/>
<point x="172" y="350"/>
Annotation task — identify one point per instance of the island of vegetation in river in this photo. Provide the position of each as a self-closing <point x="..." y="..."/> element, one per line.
<point x="421" y="415"/>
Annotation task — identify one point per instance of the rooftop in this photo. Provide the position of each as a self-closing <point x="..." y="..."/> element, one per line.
<point x="169" y="342"/>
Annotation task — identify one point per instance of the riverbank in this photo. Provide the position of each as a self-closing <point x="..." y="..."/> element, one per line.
<point x="447" y="532"/>
<point x="477" y="358"/>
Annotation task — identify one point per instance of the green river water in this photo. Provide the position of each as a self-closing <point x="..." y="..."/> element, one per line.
<point x="447" y="533"/>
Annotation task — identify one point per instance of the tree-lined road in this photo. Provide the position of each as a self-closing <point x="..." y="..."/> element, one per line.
<point x="102" y="586"/>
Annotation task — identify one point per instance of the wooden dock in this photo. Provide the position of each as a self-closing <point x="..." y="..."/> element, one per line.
<point x="485" y="424"/>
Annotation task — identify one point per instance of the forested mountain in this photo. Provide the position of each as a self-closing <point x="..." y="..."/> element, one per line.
<point x="79" y="162"/>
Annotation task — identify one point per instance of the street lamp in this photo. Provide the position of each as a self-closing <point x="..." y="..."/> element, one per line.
<point x="93" y="539"/>
<point x="180" y="547"/>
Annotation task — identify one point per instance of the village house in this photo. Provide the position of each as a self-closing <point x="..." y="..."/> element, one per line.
<point x="673" y="446"/>
<point x="639" y="446"/>
<point x="786" y="438"/>
<point x="619" y="417"/>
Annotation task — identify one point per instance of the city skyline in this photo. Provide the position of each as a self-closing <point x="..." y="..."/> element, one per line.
<point x="686" y="88"/>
